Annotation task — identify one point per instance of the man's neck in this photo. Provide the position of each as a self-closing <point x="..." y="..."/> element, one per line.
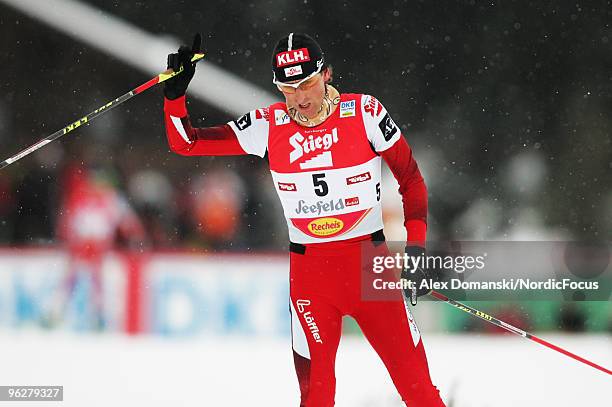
<point x="328" y="107"/>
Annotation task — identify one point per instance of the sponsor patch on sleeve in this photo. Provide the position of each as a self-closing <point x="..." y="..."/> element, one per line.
<point x="387" y="127"/>
<point x="372" y="106"/>
<point x="263" y="114"/>
<point x="243" y="122"/>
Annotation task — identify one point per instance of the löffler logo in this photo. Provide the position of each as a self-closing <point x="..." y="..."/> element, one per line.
<point x="301" y="304"/>
<point x="309" y="319"/>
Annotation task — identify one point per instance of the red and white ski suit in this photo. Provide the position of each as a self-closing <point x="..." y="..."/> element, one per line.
<point x="328" y="180"/>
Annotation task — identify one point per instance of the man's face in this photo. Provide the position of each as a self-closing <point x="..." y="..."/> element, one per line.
<point x="308" y="97"/>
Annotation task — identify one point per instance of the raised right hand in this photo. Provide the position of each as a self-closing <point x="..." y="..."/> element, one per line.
<point x="176" y="86"/>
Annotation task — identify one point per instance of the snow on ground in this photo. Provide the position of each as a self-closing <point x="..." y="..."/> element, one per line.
<point x="473" y="371"/>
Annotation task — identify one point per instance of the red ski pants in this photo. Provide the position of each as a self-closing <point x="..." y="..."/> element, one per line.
<point x="326" y="283"/>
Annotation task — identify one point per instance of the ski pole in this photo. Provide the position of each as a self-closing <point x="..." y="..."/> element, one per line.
<point x="164" y="76"/>
<point x="514" y="330"/>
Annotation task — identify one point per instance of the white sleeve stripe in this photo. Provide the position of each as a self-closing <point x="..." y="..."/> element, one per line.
<point x="389" y="144"/>
<point x="241" y="139"/>
<point x="178" y="125"/>
<point x="253" y="138"/>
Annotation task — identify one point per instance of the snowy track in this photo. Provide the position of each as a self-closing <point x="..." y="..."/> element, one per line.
<point x="102" y="370"/>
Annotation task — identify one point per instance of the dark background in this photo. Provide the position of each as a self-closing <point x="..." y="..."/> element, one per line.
<point x="507" y="106"/>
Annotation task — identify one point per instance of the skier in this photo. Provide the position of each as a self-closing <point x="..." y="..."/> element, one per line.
<point x="324" y="151"/>
<point x="93" y="215"/>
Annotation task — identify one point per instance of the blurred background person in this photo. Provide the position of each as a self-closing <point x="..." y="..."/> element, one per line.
<point x="95" y="217"/>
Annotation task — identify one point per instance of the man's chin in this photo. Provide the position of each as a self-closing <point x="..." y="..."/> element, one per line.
<point x="306" y="113"/>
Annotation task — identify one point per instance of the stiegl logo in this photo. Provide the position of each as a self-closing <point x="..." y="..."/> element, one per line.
<point x="309" y="319"/>
<point x="303" y="145"/>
